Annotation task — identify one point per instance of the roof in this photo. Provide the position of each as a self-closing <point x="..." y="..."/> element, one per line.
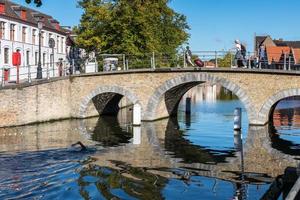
<point x="296" y="53"/>
<point x="259" y="40"/>
<point x="274" y="53"/>
<point x="11" y="13"/>
<point x="292" y="44"/>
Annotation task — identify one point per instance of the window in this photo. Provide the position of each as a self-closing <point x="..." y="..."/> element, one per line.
<point x="51" y="59"/>
<point x="57" y="42"/>
<point x="27" y="58"/>
<point x="24" y="34"/>
<point x="2" y="30"/>
<point x="43" y="38"/>
<point x="36" y="57"/>
<point x="12" y="32"/>
<point x="33" y="36"/>
<point x="62" y="45"/>
<point x="6" y="55"/>
<point x="44" y="59"/>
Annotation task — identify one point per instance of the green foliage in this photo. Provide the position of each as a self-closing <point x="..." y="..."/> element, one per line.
<point x="134" y="27"/>
<point x="38" y="3"/>
<point x="226" y="60"/>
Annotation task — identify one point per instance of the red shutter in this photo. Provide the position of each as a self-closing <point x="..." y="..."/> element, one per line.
<point x="16" y="59"/>
<point x="2" y="8"/>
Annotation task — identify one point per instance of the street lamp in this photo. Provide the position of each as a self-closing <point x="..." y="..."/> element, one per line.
<point x="39" y="68"/>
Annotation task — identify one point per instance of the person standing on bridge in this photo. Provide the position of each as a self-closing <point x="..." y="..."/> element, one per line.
<point x="188" y="56"/>
<point x="240" y="56"/>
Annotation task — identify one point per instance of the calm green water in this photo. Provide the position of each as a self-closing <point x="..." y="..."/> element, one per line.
<point x="188" y="157"/>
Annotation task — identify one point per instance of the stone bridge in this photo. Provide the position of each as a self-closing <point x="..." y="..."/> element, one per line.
<point x="155" y="94"/>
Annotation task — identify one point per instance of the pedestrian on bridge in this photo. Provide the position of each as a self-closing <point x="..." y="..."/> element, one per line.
<point x="188" y="56"/>
<point x="240" y="56"/>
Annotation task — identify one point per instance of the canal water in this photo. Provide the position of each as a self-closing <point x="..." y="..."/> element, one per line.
<point x="197" y="156"/>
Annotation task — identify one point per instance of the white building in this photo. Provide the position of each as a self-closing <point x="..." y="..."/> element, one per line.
<point x="19" y="32"/>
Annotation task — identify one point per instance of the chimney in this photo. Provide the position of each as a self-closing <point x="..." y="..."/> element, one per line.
<point x="23" y="14"/>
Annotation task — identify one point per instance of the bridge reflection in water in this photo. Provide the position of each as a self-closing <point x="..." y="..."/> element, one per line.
<point x="163" y="159"/>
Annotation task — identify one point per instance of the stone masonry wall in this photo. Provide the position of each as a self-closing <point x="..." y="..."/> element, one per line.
<point x="71" y="97"/>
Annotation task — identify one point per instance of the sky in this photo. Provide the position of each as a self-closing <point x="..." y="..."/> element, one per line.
<point x="214" y="24"/>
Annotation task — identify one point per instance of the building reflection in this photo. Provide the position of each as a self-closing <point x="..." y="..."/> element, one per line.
<point x="287" y="113"/>
<point x="209" y="93"/>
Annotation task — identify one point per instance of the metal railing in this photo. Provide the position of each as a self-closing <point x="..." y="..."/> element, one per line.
<point x="211" y="59"/>
<point x="12" y="75"/>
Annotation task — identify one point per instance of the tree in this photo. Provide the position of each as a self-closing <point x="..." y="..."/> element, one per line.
<point x="226" y="61"/>
<point x="130" y="26"/>
<point x="38" y="3"/>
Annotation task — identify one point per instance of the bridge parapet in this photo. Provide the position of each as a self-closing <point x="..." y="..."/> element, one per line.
<point x="157" y="92"/>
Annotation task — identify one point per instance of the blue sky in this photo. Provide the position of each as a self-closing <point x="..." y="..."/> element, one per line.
<point x="215" y="24"/>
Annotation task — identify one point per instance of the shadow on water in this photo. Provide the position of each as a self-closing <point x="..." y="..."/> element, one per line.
<point x="285" y="146"/>
<point x="108" y="132"/>
<point x="284" y="128"/>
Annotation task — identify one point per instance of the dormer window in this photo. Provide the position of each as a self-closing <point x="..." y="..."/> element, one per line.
<point x="2" y="8"/>
<point x="55" y="23"/>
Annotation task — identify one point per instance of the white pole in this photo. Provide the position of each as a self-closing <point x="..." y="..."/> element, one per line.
<point x="137" y="112"/>
<point x="237" y="139"/>
<point x="137" y="135"/>
<point x="237" y="119"/>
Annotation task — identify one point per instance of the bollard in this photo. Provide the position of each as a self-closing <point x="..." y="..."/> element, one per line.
<point x="188" y="106"/>
<point x="237" y="140"/>
<point x="137" y="115"/>
<point x="136" y="135"/>
<point x="237" y="119"/>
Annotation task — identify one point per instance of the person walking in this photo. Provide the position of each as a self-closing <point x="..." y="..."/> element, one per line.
<point x="188" y="56"/>
<point x="240" y="56"/>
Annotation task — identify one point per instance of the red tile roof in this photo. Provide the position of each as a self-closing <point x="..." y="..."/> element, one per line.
<point x="274" y="53"/>
<point x="12" y="11"/>
<point x="296" y="54"/>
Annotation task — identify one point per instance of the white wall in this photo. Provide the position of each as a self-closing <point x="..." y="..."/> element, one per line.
<point x="29" y="45"/>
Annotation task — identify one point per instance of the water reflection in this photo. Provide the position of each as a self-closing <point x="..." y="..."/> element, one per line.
<point x="108" y="132"/>
<point x="285" y="129"/>
<point x="176" y="142"/>
<point x="189" y="157"/>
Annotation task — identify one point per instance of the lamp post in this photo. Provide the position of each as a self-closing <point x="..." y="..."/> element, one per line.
<point x="39" y="68"/>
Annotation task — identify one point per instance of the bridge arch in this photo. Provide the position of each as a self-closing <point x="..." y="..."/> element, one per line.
<point x="107" y="95"/>
<point x="270" y="104"/>
<point x="182" y="84"/>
